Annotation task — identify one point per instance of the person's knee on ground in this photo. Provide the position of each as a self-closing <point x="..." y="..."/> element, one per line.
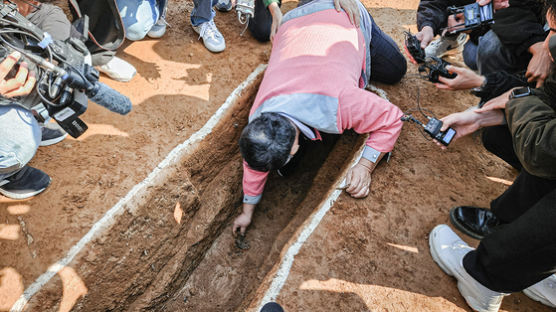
<point x="396" y="72"/>
<point x="266" y="142"/>
<point x="388" y="65"/>
<point x="260" y="25"/>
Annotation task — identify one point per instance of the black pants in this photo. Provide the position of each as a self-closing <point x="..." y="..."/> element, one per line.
<point x="521" y="251"/>
<point x="260" y="24"/>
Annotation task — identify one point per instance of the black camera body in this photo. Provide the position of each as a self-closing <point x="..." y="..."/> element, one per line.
<point x="475" y="17"/>
<point x="65" y="82"/>
<point x="430" y="68"/>
<point x="432" y="128"/>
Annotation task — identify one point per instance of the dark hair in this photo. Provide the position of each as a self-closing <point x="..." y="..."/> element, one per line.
<point x="266" y="142"/>
<point x="550" y="8"/>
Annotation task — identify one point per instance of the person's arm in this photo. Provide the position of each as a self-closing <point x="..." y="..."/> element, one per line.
<point x="533" y="126"/>
<point x="253" y="186"/>
<point x="366" y="112"/>
<point x="276" y="13"/>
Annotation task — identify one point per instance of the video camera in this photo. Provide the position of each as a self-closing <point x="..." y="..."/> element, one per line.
<point x="65" y="82"/>
<point x="474" y="15"/>
<point x="430" y="68"/>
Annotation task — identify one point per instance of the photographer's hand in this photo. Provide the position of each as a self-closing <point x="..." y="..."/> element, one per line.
<point x="496" y="4"/>
<point x="469" y="121"/>
<point x="539" y="65"/>
<point x="351" y="8"/>
<point x="465" y="79"/>
<point x="425" y="36"/>
<point x="23" y="82"/>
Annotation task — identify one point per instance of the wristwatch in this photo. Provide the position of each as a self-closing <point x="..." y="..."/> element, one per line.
<point x="520" y="92"/>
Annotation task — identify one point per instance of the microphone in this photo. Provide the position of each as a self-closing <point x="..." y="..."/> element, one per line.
<point x="109" y="98"/>
<point x="99" y="93"/>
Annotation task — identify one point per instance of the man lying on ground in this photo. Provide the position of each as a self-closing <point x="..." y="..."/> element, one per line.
<point x="319" y="65"/>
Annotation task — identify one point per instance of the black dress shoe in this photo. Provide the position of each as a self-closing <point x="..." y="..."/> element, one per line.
<point x="473" y="221"/>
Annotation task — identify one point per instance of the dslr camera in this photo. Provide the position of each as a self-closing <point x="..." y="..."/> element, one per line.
<point x="474" y="16"/>
<point x="65" y="82"/>
<point x="430" y="68"/>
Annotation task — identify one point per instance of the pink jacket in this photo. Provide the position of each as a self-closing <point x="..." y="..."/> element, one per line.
<point x="315" y="75"/>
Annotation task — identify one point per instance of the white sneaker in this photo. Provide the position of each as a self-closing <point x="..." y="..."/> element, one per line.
<point x="543" y="291"/>
<point x="443" y="45"/>
<point x="447" y="250"/>
<point x="118" y="69"/>
<point x="212" y="38"/>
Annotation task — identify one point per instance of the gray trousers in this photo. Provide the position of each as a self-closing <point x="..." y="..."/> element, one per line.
<point x="20" y="136"/>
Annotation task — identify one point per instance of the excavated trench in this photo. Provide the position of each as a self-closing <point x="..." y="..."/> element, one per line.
<point x="175" y="250"/>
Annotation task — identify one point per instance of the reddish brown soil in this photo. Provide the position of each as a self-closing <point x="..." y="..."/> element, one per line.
<point x="355" y="260"/>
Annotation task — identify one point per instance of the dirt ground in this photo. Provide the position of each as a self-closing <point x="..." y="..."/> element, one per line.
<point x="369" y="254"/>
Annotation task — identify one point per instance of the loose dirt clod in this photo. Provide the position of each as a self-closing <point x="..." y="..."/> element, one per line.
<point x="241" y="243"/>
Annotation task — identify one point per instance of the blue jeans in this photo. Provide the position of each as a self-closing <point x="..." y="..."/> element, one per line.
<point x="202" y="11"/>
<point x="20" y="135"/>
<point x="490" y="55"/>
<point x="139" y="16"/>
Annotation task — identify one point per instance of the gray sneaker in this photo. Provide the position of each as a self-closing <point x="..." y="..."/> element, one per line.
<point x="212" y="38"/>
<point x="159" y="29"/>
<point x="224" y="5"/>
<point x="51" y="134"/>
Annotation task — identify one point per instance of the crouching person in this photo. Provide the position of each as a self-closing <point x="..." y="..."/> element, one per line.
<point x="20" y="133"/>
<point x="517" y="251"/>
<point x="318" y="68"/>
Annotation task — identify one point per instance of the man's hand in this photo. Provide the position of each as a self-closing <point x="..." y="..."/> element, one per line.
<point x="425" y="36"/>
<point x="469" y="121"/>
<point x="498" y="102"/>
<point x="21" y="84"/>
<point x="539" y="65"/>
<point x="358" y="178"/>
<point x="465" y="79"/>
<point x="496" y="4"/>
<point x="351" y="8"/>
<point x="276" y="19"/>
<point x="243" y="220"/>
<point x="464" y="123"/>
<point x="455" y="22"/>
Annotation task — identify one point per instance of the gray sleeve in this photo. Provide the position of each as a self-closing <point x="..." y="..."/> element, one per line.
<point x="52" y="20"/>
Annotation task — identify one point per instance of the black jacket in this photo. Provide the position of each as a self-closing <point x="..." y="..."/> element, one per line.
<point x="518" y="27"/>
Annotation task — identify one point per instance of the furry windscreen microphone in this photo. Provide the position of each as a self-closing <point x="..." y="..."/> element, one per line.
<point x="109" y="98"/>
